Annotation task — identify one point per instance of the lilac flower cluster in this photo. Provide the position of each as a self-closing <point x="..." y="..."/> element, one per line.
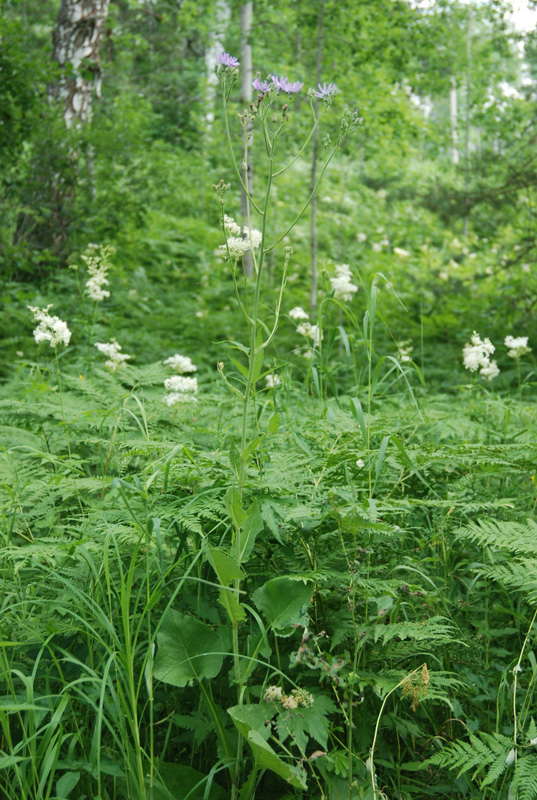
<point x="227" y="61"/>
<point x="278" y="83"/>
<point x="282" y="84"/>
<point x="326" y="90"/>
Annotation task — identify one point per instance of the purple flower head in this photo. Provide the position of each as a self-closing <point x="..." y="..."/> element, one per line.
<point x="261" y="86"/>
<point x="226" y="60"/>
<point x="326" y="90"/>
<point x="284" y="85"/>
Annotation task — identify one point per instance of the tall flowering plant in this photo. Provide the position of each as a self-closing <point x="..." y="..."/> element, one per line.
<point x="268" y="115"/>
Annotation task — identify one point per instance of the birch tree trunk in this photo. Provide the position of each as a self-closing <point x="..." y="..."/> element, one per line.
<point x="468" y="119"/>
<point x="218" y="26"/>
<point x="246" y="13"/>
<point x="314" y="154"/>
<point x="453" y="121"/>
<point x="77" y="40"/>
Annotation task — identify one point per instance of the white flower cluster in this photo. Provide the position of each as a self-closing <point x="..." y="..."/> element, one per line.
<point x="97" y="263"/>
<point x="180" y="364"/>
<point x="298" y="697"/>
<point x="476" y="356"/>
<point x="297" y="313"/>
<point x="50" y="329"/>
<point x="518" y="346"/>
<point x="238" y="241"/>
<point x="404" y="351"/>
<point x="111" y="350"/>
<point x="180" y="388"/>
<point x="400" y="252"/>
<point x="273" y="380"/>
<point x="310" y="332"/>
<point x="341" y="284"/>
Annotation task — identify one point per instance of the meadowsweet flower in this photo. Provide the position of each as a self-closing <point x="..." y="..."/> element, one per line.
<point x="231" y="227"/>
<point x="175" y="398"/>
<point x="326" y="90"/>
<point x="360" y="463"/>
<point x="253" y="236"/>
<point x="341" y="283"/>
<point x="272" y="381"/>
<point x="310" y="332"/>
<point x="399" y="251"/>
<point x="180" y="364"/>
<point x="362" y="237"/>
<point x="235" y="248"/>
<point x="289" y="702"/>
<point x="178" y="383"/>
<point x="272" y="694"/>
<point x="476" y="356"/>
<point x="111" y="349"/>
<point x="303" y="698"/>
<point x="50" y="329"/>
<point x="518" y="346"/>
<point x="97" y="260"/>
<point x="404" y="351"/>
<point x="261" y="86"/>
<point x="376" y="247"/>
<point x="297" y="313"/>
<point x="489" y="371"/>
<point x="238" y="241"/>
<point x="282" y="84"/>
<point x="225" y="60"/>
<point x="180" y="389"/>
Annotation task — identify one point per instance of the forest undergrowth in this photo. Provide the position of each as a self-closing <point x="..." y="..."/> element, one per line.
<point x="291" y="575"/>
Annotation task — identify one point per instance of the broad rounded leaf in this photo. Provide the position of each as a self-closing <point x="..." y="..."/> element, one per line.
<point x="187" y="649"/>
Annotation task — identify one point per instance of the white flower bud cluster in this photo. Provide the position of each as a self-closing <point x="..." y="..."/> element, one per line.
<point x="50" y="329"/>
<point x="111" y="349"/>
<point x="341" y="283"/>
<point x="518" y="346"/>
<point x="476" y="356"/>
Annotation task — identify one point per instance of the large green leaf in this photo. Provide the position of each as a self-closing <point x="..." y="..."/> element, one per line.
<point x="187" y="649"/>
<point x="265" y="757"/>
<point x="283" y="602"/>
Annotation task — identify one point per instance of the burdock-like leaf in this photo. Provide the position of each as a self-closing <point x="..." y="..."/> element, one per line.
<point x="187" y="649"/>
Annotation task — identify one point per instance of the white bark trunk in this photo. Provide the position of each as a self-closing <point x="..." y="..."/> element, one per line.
<point x="216" y="37"/>
<point x="77" y="42"/>
<point x="453" y="121"/>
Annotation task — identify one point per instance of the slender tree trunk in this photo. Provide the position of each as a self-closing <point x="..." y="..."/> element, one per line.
<point x="246" y="13"/>
<point x="314" y="155"/>
<point x="215" y="45"/>
<point x="77" y="41"/>
<point x="453" y="121"/>
<point x="468" y="118"/>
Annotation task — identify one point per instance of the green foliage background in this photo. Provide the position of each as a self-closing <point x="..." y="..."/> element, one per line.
<point x="385" y="514"/>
